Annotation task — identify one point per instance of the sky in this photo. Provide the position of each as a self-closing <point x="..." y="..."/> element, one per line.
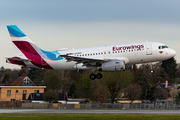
<point x="55" y="24"/>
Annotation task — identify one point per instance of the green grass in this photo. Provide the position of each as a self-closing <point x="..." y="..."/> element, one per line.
<point x="52" y="116"/>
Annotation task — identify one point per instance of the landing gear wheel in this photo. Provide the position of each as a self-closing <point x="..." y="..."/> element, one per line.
<point x="99" y="76"/>
<point x="151" y="71"/>
<point x="92" y="76"/>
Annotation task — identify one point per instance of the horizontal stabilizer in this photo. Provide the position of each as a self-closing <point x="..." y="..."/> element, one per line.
<point x="18" y="59"/>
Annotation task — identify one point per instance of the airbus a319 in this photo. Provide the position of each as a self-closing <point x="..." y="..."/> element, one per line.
<point x="104" y="58"/>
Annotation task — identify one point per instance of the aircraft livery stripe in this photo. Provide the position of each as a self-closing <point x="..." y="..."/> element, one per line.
<point x="27" y="49"/>
<point x="15" y="31"/>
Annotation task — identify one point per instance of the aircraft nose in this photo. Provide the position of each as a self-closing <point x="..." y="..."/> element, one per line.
<point x="173" y="53"/>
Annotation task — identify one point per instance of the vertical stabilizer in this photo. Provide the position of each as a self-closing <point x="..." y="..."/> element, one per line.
<point x="16" y="34"/>
<point x="26" y="48"/>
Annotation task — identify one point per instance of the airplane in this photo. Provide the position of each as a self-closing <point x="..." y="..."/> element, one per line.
<point x="109" y="58"/>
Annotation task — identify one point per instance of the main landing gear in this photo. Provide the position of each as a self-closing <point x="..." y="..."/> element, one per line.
<point x="94" y="76"/>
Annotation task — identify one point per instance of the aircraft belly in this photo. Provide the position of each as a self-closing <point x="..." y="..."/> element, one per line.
<point x="133" y="58"/>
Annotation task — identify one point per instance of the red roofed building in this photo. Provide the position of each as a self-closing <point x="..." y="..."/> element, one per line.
<point x="23" y="81"/>
<point x="19" y="89"/>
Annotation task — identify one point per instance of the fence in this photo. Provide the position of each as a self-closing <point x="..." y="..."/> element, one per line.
<point x="6" y="104"/>
<point x="149" y="105"/>
<point x="154" y="105"/>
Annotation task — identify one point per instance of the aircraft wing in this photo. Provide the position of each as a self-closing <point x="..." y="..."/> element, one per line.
<point x="85" y="60"/>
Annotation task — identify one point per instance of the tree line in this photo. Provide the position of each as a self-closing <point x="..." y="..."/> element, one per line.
<point x="138" y="83"/>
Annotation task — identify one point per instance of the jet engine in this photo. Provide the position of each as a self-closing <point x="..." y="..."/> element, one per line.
<point x="111" y="66"/>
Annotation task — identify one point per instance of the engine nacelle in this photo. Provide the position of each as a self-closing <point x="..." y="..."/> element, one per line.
<point x="111" y="66"/>
<point x="128" y="67"/>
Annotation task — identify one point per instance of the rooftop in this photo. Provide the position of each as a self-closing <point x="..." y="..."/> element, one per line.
<point x="22" y="86"/>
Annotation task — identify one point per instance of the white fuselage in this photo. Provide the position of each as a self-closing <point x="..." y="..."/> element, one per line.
<point x="133" y="53"/>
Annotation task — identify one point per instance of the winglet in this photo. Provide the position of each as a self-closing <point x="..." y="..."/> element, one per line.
<point x="15" y="31"/>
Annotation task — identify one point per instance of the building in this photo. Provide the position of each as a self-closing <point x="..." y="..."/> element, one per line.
<point x="8" y="93"/>
<point x="23" y="81"/>
<point x="167" y="85"/>
<point x="38" y="97"/>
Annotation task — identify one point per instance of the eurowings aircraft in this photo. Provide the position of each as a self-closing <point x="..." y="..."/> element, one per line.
<point x="105" y="58"/>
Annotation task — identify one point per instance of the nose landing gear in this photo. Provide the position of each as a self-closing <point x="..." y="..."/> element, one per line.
<point x="151" y="71"/>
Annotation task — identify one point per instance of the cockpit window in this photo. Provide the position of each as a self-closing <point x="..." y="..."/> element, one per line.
<point x="162" y="47"/>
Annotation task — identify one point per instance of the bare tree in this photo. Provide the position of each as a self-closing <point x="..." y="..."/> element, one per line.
<point x="57" y="80"/>
<point x="51" y="95"/>
<point x="160" y="94"/>
<point x="101" y="93"/>
<point x="117" y="81"/>
<point x="134" y="91"/>
<point x="174" y="91"/>
<point x="65" y="80"/>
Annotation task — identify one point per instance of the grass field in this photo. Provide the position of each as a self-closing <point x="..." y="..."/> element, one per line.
<point x="51" y="116"/>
